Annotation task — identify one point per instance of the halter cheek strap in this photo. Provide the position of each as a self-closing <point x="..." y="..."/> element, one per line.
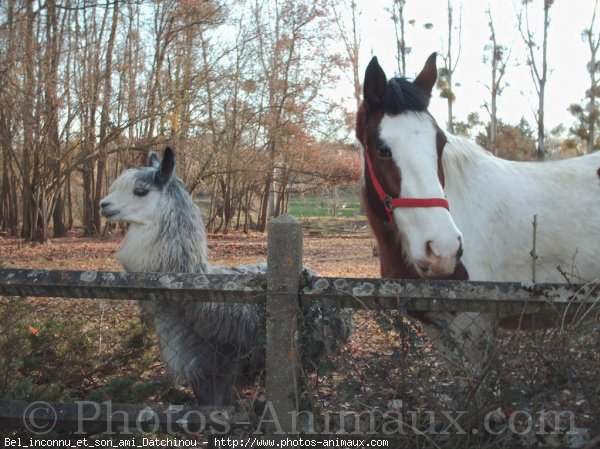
<point x="390" y="203"/>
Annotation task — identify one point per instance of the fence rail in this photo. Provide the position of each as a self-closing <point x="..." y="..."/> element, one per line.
<point x="133" y="286"/>
<point x="284" y="287"/>
<point x="381" y="294"/>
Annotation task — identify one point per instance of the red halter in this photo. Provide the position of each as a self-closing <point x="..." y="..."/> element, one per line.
<point x="391" y="203"/>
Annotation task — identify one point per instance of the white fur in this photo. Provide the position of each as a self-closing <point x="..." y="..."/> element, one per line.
<point x="131" y="209"/>
<point x="412" y="139"/>
<point x="492" y="205"/>
<point x="493" y="202"/>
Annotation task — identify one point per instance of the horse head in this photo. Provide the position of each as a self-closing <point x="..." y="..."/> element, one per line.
<point x="403" y="174"/>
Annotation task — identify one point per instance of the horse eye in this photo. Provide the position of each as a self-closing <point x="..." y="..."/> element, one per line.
<point x="385" y="151"/>
<point x="140" y="191"/>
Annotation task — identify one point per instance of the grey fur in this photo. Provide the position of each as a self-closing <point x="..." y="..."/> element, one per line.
<point x="213" y="347"/>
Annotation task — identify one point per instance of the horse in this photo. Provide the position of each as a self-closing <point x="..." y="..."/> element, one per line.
<point x="442" y="207"/>
<point x="213" y="347"/>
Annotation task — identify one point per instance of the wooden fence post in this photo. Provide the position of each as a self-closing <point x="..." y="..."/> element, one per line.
<point x="283" y="379"/>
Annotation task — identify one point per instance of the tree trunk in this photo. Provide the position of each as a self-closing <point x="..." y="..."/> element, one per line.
<point x="104" y="119"/>
<point x="69" y="204"/>
<point x="541" y="132"/>
<point x="27" y="229"/>
<point x="264" y="206"/>
<point x="499" y="61"/>
<point x="59" y="228"/>
<point x="89" y="228"/>
<point x="52" y="139"/>
<point x="450" y="71"/>
<point x="5" y="195"/>
<point x="493" y="114"/>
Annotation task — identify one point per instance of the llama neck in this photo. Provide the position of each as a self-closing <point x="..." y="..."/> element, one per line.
<point x="175" y="242"/>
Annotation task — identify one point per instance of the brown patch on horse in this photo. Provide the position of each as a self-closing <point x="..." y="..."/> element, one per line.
<point x="367" y="125"/>
<point x="440" y="143"/>
<point x="359" y="124"/>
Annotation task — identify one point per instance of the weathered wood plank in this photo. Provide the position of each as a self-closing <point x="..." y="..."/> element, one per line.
<point x="460" y="296"/>
<point x="379" y="294"/>
<point x="138" y="286"/>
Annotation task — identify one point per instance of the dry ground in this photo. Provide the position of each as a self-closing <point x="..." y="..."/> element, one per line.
<point x="329" y="255"/>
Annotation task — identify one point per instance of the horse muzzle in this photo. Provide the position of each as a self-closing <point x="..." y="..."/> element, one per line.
<point x="438" y="261"/>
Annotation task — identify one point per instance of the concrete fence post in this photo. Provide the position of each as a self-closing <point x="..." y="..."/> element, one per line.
<point x="283" y="379"/>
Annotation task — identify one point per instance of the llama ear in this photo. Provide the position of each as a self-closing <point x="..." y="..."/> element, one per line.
<point x="426" y="79"/>
<point x="153" y="160"/>
<point x="375" y="84"/>
<point x="166" y="167"/>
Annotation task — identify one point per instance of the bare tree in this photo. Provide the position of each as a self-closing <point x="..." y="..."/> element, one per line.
<point x="588" y="115"/>
<point x="451" y="59"/>
<point x="105" y="115"/>
<point x="30" y="198"/>
<point x="399" y="24"/>
<point x="498" y="59"/>
<point x="9" y="205"/>
<point x="593" y="40"/>
<point x="295" y="65"/>
<point x="352" y="41"/>
<point x="83" y="95"/>
<point x="539" y="70"/>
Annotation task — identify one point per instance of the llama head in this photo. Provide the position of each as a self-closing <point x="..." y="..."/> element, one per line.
<point x="134" y="197"/>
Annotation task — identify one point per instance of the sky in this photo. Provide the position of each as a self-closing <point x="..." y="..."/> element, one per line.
<point x="567" y="53"/>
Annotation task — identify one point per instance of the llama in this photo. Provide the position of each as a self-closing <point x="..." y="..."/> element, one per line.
<point x="213" y="347"/>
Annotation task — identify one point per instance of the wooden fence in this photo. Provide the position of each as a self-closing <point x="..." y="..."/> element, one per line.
<point x="285" y="287"/>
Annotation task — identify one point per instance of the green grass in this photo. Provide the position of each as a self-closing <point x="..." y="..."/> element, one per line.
<point x="322" y="206"/>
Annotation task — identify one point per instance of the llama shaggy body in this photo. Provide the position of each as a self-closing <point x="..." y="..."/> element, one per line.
<point x="214" y="347"/>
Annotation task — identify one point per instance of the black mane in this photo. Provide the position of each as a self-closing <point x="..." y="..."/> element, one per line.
<point x="402" y="95"/>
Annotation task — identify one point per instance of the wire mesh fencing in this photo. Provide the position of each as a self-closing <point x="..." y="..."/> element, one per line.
<point x="485" y="385"/>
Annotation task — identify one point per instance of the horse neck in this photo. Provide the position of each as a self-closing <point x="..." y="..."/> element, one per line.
<point x="175" y="242"/>
<point x="460" y="157"/>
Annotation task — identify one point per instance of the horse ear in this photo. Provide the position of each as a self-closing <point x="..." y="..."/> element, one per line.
<point x="153" y="160"/>
<point x="166" y="167"/>
<point x="428" y="76"/>
<point x="375" y="84"/>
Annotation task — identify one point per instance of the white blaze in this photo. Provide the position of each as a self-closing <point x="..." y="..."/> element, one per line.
<point x="431" y="237"/>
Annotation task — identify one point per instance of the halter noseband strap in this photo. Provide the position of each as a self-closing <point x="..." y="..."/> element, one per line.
<point x="391" y="203"/>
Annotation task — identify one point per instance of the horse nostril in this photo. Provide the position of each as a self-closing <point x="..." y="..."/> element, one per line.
<point x="104" y="204"/>
<point x="460" y="251"/>
<point x="429" y="250"/>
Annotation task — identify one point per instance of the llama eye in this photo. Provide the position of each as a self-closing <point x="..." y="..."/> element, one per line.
<point x="385" y="151"/>
<point x="140" y="192"/>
